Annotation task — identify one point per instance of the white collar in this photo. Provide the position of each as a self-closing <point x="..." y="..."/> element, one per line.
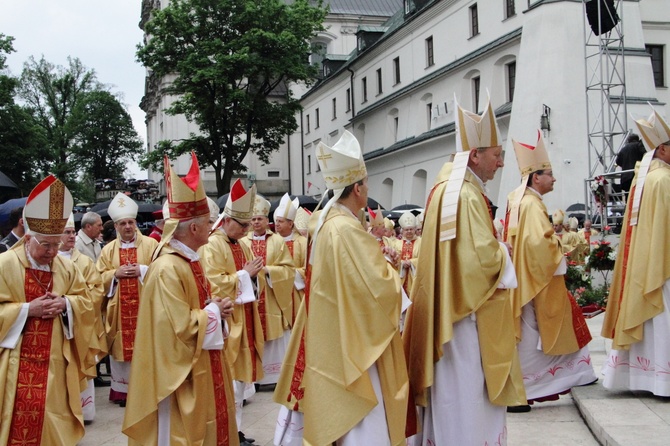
<point x="188" y="252"/>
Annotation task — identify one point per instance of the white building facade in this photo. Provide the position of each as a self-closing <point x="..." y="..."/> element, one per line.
<point x="396" y="92"/>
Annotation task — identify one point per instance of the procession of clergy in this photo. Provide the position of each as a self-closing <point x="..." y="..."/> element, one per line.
<point x="369" y="339"/>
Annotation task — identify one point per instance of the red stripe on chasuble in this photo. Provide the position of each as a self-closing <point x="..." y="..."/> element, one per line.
<point x="238" y="257"/>
<point x="297" y="391"/>
<point x="31" y="387"/>
<point x="626" y="252"/>
<point x="579" y="325"/>
<point x="129" y="302"/>
<point x="289" y="244"/>
<point x="260" y="249"/>
<point x="216" y="364"/>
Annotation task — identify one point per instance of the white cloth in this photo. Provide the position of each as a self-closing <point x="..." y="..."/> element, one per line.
<point x="290" y="427"/>
<point x="373" y="429"/>
<point x="88" y="401"/>
<point x="273" y="357"/>
<point x="459" y="411"/>
<point x="650" y="368"/>
<point x="120" y="373"/>
<point x="545" y="375"/>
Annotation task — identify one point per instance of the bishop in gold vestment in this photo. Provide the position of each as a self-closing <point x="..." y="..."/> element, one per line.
<point x="638" y="306"/>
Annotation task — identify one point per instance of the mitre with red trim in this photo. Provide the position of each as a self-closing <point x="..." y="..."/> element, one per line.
<point x="48" y="207"/>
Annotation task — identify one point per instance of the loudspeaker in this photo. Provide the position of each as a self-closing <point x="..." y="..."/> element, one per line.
<point x="608" y="16"/>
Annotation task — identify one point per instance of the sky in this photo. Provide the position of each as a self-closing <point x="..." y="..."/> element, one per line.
<point x="103" y="35"/>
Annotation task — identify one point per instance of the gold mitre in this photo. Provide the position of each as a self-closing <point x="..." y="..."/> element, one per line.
<point x="48" y="207"/>
<point x="240" y="202"/>
<point x="213" y="209"/>
<point x="301" y="221"/>
<point x="376" y="218"/>
<point x="287" y="208"/>
<point x="342" y="164"/>
<point x="558" y="217"/>
<point x="476" y="131"/>
<point x="574" y="223"/>
<point x="261" y="206"/>
<point x="70" y="222"/>
<point x="654" y="130"/>
<point x="388" y="223"/>
<point x="531" y="158"/>
<point x="186" y="196"/>
<point x="407" y="220"/>
<point x="121" y="207"/>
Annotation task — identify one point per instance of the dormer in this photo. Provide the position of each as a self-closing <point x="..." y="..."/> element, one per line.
<point x="368" y="35"/>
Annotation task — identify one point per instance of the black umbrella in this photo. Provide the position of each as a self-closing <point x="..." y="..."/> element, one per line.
<point x="142" y="207"/>
<point x="221" y="201"/>
<point x="372" y="203"/>
<point x="8" y="206"/>
<point x="5" y="181"/>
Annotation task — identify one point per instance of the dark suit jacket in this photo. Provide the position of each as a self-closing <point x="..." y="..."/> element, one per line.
<point x="8" y="242"/>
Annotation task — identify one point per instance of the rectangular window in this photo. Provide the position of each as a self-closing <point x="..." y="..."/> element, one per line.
<point x="309" y="164"/>
<point x="395" y="128"/>
<point x="379" y="81"/>
<point x="656" y="52"/>
<point x="511" y="80"/>
<point x="429" y="114"/>
<point x="306" y="123"/>
<point x="273" y="174"/>
<point x="474" y="20"/>
<point x="316" y="119"/>
<point x="509" y="9"/>
<point x="364" y="88"/>
<point x="334" y="108"/>
<point x="475" y="93"/>
<point x="348" y="100"/>
<point x="430" y="57"/>
<point x="396" y="71"/>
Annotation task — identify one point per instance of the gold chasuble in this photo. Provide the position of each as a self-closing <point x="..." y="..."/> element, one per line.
<point x="643" y="262"/>
<point x="274" y="302"/>
<point x="537" y="254"/>
<point x="222" y="258"/>
<point x="42" y="377"/>
<point x="407" y="250"/>
<point x="122" y="307"/>
<point x="298" y="249"/>
<point x="456" y="278"/>
<point x="96" y="292"/>
<point x="199" y="381"/>
<point x="354" y="313"/>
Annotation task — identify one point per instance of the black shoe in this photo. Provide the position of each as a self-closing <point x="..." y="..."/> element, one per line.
<point x="244" y="439"/>
<point x="87" y="422"/>
<point x="99" y="382"/>
<point x="518" y="409"/>
<point x="122" y="403"/>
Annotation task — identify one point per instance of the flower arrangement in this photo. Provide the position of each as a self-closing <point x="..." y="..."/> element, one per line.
<point x="598" y="189"/>
<point x="601" y="257"/>
<point x="576" y="277"/>
<point x="592" y="298"/>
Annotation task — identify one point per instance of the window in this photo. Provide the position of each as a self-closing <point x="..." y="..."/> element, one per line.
<point x="430" y="57"/>
<point x="396" y="71"/>
<point x="474" y="20"/>
<point x="316" y="118"/>
<point x="476" y="81"/>
<point x="509" y="9"/>
<point x="306" y="123"/>
<point x="334" y="108"/>
<point x="364" y="88"/>
<point x="511" y="80"/>
<point x="348" y="100"/>
<point x="656" y="52"/>
<point x="309" y="164"/>
<point x="273" y="174"/>
<point x="395" y="128"/>
<point x="379" y="81"/>
<point x="429" y="113"/>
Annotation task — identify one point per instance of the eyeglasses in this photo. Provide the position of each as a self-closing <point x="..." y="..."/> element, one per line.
<point x="49" y="246"/>
<point x="551" y="174"/>
<point x="243" y="225"/>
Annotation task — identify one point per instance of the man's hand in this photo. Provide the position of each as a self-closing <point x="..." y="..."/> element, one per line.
<point x="225" y="306"/>
<point x="254" y="266"/>
<point x="48" y="306"/>
<point x="391" y="254"/>
<point x="127" y="271"/>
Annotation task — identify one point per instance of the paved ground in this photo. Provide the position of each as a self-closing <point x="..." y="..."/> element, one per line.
<point x="590" y="416"/>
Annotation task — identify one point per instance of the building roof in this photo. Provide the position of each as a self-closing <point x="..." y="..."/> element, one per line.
<point x="365" y="7"/>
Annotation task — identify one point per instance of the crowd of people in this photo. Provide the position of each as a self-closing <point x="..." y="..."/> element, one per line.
<point x="425" y="338"/>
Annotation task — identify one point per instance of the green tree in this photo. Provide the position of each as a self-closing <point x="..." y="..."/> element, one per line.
<point x="21" y="140"/>
<point x="229" y="63"/>
<point x="104" y="139"/>
<point x="51" y="93"/>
